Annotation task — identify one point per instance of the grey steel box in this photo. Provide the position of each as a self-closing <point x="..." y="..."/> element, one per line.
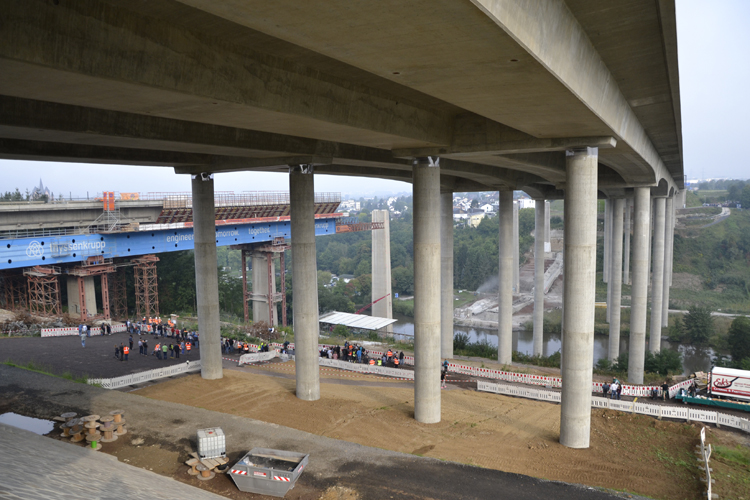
<point x="211" y="443"/>
<point x="267" y="471"/>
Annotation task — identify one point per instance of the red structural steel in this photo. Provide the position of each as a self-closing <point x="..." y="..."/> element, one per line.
<point x="44" y="291"/>
<point x="146" y="289"/>
<point x="94" y="266"/>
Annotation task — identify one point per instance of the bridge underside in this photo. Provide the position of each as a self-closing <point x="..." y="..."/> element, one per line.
<point x="224" y="86"/>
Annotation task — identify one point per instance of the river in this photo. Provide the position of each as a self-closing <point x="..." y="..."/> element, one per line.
<point x="693" y="358"/>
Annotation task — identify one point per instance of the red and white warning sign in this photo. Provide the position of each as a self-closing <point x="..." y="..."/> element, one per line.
<point x="261" y="474"/>
<point x="281" y="478"/>
<point x="240" y="472"/>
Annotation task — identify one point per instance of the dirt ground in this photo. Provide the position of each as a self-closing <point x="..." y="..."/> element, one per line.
<point x="628" y="452"/>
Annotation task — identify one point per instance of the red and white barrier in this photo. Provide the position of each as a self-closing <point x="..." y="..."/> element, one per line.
<point x="73" y="330"/>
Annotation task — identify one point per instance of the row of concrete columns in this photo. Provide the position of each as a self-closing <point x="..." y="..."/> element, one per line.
<point x="660" y="256"/>
<point x="433" y="262"/>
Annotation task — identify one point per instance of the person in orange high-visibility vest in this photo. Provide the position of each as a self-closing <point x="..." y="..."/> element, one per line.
<point x="126" y="350"/>
<point x="395" y="361"/>
<point x="188" y="346"/>
<point x="157" y="350"/>
<point x="372" y="361"/>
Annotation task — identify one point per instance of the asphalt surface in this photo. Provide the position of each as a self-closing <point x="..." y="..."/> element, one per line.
<point x="97" y="360"/>
<point x="372" y="472"/>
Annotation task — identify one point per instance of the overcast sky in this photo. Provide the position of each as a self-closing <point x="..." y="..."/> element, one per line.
<point x="714" y="52"/>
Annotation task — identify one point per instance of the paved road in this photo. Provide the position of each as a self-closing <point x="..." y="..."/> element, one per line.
<point x="39" y="468"/>
<point x="372" y="472"/>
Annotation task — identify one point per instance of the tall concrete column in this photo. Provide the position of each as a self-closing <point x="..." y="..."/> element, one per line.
<point x="427" y="280"/>
<point x="206" y="275"/>
<point x="547" y="230"/>
<point x="381" y="267"/>
<point x="615" y="279"/>
<point x="516" y="257"/>
<point x="668" y="257"/>
<point x="579" y="295"/>
<point x="539" y="251"/>
<point x="74" y="296"/>
<point x="626" y="245"/>
<point x="505" y="280"/>
<point x="639" y="290"/>
<point x="657" y="280"/>
<point x="605" y="247"/>
<point x="304" y="280"/>
<point x="446" y="275"/>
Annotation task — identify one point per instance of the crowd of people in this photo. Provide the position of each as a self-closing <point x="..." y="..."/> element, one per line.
<point x="354" y="353"/>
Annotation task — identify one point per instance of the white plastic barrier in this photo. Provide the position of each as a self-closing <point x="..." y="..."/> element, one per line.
<point x="363" y="368"/>
<point x="255" y="357"/>
<point x="676" y="388"/>
<point x="141" y="377"/>
<point x="679" y="413"/>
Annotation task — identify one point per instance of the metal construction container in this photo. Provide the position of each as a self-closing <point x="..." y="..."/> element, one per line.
<point x="267" y="471"/>
<point x="211" y="443"/>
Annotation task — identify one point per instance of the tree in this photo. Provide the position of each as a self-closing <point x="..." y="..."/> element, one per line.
<point x="739" y="339"/>
<point x="698" y="325"/>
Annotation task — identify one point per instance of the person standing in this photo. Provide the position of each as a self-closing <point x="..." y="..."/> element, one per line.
<point x="86" y="330"/>
<point x="130" y="342"/>
<point x="157" y="351"/>
<point x="665" y="391"/>
<point x="109" y="329"/>
<point x="188" y="347"/>
<point x="126" y="351"/>
<point x="122" y="351"/>
<point x="83" y="340"/>
<point x="164" y="349"/>
<point x="117" y="351"/>
<point x="140" y="346"/>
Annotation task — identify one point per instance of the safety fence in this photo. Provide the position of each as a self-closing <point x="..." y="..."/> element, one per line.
<point x="256" y="357"/>
<point x="659" y="411"/>
<point x="141" y="377"/>
<point x="73" y="330"/>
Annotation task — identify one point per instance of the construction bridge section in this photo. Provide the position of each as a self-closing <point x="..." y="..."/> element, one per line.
<point x="78" y="243"/>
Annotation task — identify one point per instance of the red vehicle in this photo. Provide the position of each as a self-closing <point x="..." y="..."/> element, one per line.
<point x="729" y="382"/>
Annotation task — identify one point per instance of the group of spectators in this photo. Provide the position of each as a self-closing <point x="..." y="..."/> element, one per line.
<point x="162" y="349"/>
<point x="354" y="353"/>
<point x="613" y="390"/>
<point x="161" y="330"/>
<point x="230" y="346"/>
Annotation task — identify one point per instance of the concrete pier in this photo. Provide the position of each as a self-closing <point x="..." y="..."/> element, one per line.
<point x="657" y="279"/>
<point x="427" y="281"/>
<point x="446" y="275"/>
<point x="516" y="256"/>
<point x="206" y="275"/>
<point x="606" y="241"/>
<point x="539" y="251"/>
<point x="615" y="279"/>
<point x="547" y="229"/>
<point x="381" y="267"/>
<point x="74" y="296"/>
<point x="639" y="290"/>
<point x="668" y="260"/>
<point x="626" y="244"/>
<point x="505" y="280"/>
<point x="579" y="296"/>
<point x="261" y="311"/>
<point x="304" y="280"/>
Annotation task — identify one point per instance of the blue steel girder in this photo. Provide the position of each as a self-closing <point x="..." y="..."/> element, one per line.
<point x="49" y="250"/>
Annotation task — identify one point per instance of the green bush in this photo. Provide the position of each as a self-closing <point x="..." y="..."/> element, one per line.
<point x="552" y="361"/>
<point x="460" y="341"/>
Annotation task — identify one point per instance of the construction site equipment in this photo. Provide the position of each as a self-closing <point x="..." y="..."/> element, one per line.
<point x="268" y="472"/>
<point x="15" y="291"/>
<point x="118" y="296"/>
<point x="211" y="443"/>
<point x="119" y="421"/>
<point x="276" y="248"/>
<point x="93" y="266"/>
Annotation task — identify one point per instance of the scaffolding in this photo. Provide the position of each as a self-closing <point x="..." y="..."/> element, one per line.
<point x="109" y="220"/>
<point x="146" y="289"/>
<point x="276" y="248"/>
<point x="44" y="290"/>
<point x="15" y="291"/>
<point x="118" y="296"/>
